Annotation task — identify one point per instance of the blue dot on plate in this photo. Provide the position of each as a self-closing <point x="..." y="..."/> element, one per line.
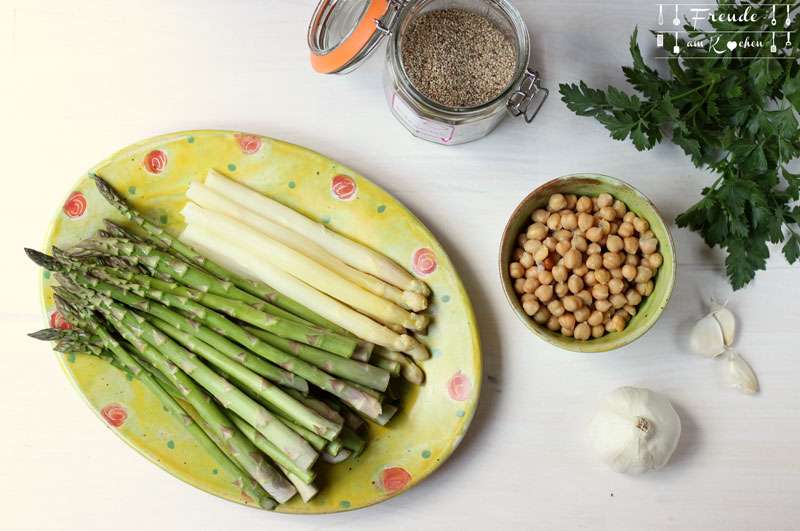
<point x="46" y="274"/>
<point x="437" y="353"/>
<point x="190" y="140"/>
<point x="131" y="189"/>
<point x="215" y="471"/>
<point x="166" y="409"/>
<point x="129" y="377"/>
<point x="445" y="298"/>
<point x="292" y="184"/>
<point x="460" y="413"/>
<point x="171" y="444"/>
<point x="92" y="176"/>
<point x="163" y="218"/>
<point x="381" y="209"/>
<point x="344" y="504"/>
<point x="426" y="454"/>
<point x="232" y="167"/>
<point x="71" y="358"/>
<point x="326" y="219"/>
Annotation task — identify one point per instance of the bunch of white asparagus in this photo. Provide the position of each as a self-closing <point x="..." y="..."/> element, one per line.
<point x="343" y="281"/>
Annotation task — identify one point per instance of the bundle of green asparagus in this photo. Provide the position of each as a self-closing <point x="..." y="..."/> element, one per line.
<point x="272" y="384"/>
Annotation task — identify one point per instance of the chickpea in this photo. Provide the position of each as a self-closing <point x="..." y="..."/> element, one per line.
<point x="552" y="323"/>
<point x="540" y="215"/>
<point x="581" y="270"/>
<point x="572" y="303"/>
<point x="595" y="318"/>
<point x="594" y="234"/>
<point x="633" y="297"/>
<point x="530" y="307"/>
<point x="554" y="221"/>
<point x="598" y="331"/>
<point x="655" y="260"/>
<point x="608" y="214"/>
<point x="602" y="305"/>
<point x="629" y="271"/>
<point x="541" y="253"/>
<point x="563" y="247"/>
<point x="643" y="274"/>
<point x="605" y="227"/>
<point x="545" y="277"/>
<point x="562" y="235"/>
<point x="550" y="243"/>
<point x="594" y="261"/>
<point x="641" y="288"/>
<point x="567" y="320"/>
<point x="614" y="227"/>
<point x="532" y="272"/>
<point x="589" y="279"/>
<point x="632" y="259"/>
<point x="537" y="231"/>
<point x="616" y="273"/>
<point x="567" y="332"/>
<point x="526" y="260"/>
<point x="582" y="313"/>
<point x="611" y="261"/>
<point x="631" y="310"/>
<point x="569" y="221"/>
<point x="585" y="221"/>
<point x="527" y="297"/>
<point x="579" y="243"/>
<point x="620" y="208"/>
<point x="542" y="315"/>
<point x="615" y="286"/>
<point x="530" y="285"/>
<point x="531" y="245"/>
<point x="561" y="289"/>
<point x="584" y="204"/>
<point x="544" y="292"/>
<point x="648" y="245"/>
<point x="600" y="292"/>
<point x="614" y="243"/>
<point x="604" y="200"/>
<point x="572" y="259"/>
<point x="582" y="332"/>
<point x="625" y="230"/>
<point x="609" y="326"/>
<point x="629" y="217"/>
<point x="556" y="202"/>
<point x="515" y="270"/>
<point x="618" y="301"/>
<point x="575" y="284"/>
<point x="521" y="239"/>
<point x="548" y="263"/>
<point x="602" y="275"/>
<point x="631" y="245"/>
<point x="559" y="273"/>
<point x="556" y="308"/>
<point x="619" y="323"/>
<point x="586" y="296"/>
<point x="641" y="225"/>
<point x="519" y="286"/>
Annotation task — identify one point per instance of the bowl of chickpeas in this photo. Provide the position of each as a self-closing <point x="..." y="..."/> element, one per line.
<point x="587" y="262"/>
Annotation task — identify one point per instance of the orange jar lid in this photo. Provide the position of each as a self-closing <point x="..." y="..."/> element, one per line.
<point x="343" y="33"/>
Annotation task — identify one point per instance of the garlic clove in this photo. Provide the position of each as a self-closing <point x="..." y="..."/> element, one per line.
<point x="742" y="376"/>
<point x="725" y="319"/>
<point x="706" y="338"/>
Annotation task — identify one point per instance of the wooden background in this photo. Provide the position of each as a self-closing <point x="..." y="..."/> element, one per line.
<point x="83" y="79"/>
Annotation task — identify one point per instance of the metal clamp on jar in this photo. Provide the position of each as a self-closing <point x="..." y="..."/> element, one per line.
<point x="343" y="33"/>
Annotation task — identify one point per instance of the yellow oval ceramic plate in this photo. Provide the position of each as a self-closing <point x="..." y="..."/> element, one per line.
<point x="433" y="418"/>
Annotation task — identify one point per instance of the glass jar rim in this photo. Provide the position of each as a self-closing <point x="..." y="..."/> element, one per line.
<point x="523" y="59"/>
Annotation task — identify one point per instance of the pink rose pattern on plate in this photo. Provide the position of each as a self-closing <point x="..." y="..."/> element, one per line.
<point x="394" y="478"/>
<point x="155" y="161"/>
<point x="249" y="143"/>
<point x="115" y="414"/>
<point x="458" y="387"/>
<point x="75" y="205"/>
<point x="343" y="188"/>
<point x="424" y="261"/>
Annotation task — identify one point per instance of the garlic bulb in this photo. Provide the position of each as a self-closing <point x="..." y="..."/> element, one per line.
<point x="711" y="334"/>
<point x="742" y="376"/>
<point x="635" y="430"/>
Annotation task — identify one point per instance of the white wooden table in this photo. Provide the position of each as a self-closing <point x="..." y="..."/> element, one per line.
<point x="83" y="79"/>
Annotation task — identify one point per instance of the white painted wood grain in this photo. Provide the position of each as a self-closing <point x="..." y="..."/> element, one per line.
<point x="83" y="79"/>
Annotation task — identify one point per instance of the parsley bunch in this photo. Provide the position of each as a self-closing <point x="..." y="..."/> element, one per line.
<point x="731" y="113"/>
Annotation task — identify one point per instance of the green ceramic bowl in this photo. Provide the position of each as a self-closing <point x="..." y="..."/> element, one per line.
<point x="592" y="185"/>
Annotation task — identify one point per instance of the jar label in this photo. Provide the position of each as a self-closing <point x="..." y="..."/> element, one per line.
<point x="436" y="130"/>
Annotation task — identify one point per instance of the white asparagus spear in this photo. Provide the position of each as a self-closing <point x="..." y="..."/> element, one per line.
<point x="304" y="268"/>
<point x="232" y="255"/>
<point x="343" y="248"/>
<point x="306" y="491"/>
<point x="213" y="200"/>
